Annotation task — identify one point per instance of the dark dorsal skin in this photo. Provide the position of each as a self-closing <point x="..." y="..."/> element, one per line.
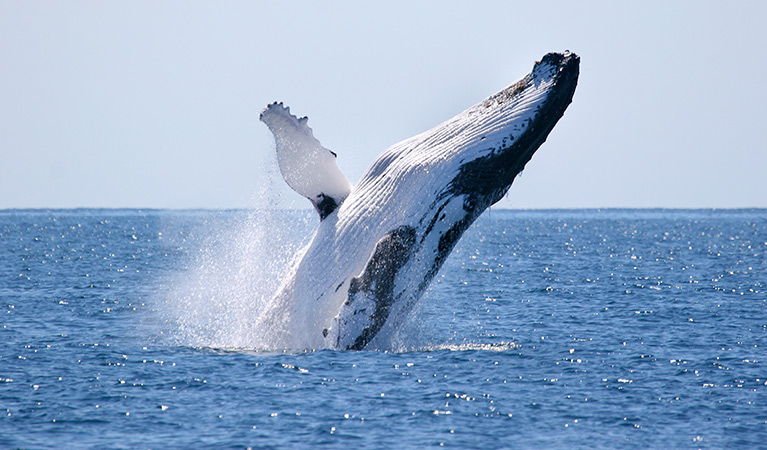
<point x="377" y="280"/>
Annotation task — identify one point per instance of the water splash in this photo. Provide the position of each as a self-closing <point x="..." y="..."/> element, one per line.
<point x="232" y="282"/>
<point x="234" y="270"/>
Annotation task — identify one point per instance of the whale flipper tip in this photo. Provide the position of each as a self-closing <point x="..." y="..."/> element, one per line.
<point x="309" y="168"/>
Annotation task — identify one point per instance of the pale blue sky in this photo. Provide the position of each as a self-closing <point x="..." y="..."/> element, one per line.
<point x="155" y="104"/>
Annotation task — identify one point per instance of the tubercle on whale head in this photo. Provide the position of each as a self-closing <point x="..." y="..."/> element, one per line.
<point x="559" y="61"/>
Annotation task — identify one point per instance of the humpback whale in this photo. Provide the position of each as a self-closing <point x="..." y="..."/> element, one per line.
<point x="380" y="243"/>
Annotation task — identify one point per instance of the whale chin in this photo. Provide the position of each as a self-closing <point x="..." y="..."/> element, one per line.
<point x="380" y="243"/>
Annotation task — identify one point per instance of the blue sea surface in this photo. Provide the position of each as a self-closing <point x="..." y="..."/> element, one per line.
<point x="545" y="329"/>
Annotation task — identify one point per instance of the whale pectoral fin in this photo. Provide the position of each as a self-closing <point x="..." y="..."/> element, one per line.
<point x="309" y="168"/>
<point x="372" y="293"/>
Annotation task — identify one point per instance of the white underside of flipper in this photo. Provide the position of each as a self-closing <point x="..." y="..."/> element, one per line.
<point x="309" y="168"/>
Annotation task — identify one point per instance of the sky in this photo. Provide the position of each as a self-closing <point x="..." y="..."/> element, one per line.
<point x="155" y="104"/>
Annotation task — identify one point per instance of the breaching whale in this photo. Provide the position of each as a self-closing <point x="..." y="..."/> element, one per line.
<point x="380" y="243"/>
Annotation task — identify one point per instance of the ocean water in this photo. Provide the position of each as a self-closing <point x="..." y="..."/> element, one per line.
<point x="544" y="329"/>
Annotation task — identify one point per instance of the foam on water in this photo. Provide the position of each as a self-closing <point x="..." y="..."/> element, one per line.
<point x="472" y="346"/>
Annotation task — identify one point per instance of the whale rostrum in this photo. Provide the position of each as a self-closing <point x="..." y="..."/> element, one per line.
<point x="380" y="243"/>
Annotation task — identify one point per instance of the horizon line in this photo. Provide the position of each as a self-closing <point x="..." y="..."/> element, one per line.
<point x="604" y="208"/>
